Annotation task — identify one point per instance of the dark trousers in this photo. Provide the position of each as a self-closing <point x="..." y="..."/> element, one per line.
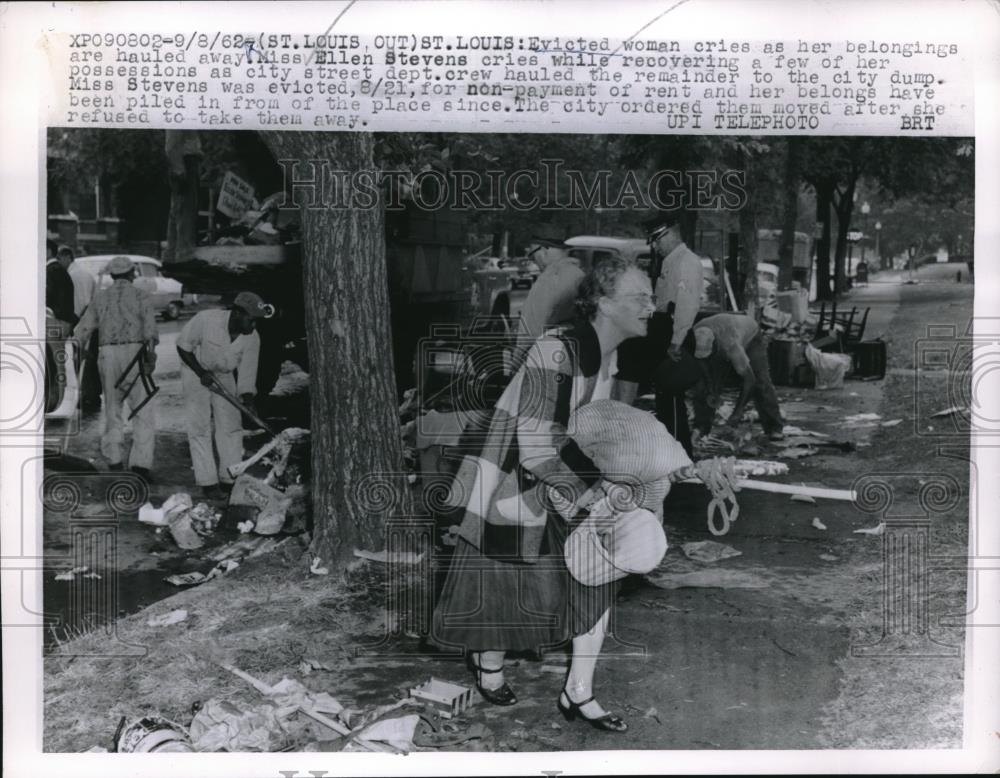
<point x="765" y="398"/>
<point x="671" y="379"/>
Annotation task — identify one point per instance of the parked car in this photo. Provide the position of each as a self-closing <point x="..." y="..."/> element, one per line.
<point x="593" y="248"/>
<point x="167" y="294"/>
<point x="525" y="272"/>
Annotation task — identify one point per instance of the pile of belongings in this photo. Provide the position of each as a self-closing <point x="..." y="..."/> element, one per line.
<point x="261" y="225"/>
<point x="188" y="523"/>
<point x="779" y="325"/>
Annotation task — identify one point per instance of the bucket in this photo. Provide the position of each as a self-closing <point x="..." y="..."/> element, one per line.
<point x="153" y="734"/>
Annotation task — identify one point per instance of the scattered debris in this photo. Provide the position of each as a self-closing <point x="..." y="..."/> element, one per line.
<point x="798" y="431"/>
<point x="272" y="503"/>
<point x="830" y="369"/>
<point x="876" y="530"/>
<point x="186" y="579"/>
<point x="356" y="719"/>
<point x="554" y="669"/>
<point x="290" y="696"/>
<point x="69" y="575"/>
<point x="151" y="734"/>
<point x="797" y="452"/>
<point x="221" y="725"/>
<point x="708" y="579"/>
<point x="949" y="411"/>
<point x="396" y="558"/>
<point x="204" y="519"/>
<point x="166" y="619"/>
<point x="183" y="532"/>
<point x="289" y="691"/>
<point x="451" y="735"/>
<point x="395" y="733"/>
<point x="708" y="551"/>
<point x="225" y="566"/>
<point x="861" y="417"/>
<point x="174" y="505"/>
<point x="306" y="666"/>
<point x="817" y="523"/>
<point x="892" y="422"/>
<point x="245" y="527"/>
<point x="828" y="557"/>
<point x="316" y="567"/>
<point x="449" y="699"/>
<point x="807" y="498"/>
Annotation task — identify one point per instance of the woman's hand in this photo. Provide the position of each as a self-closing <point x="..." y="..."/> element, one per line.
<point x="621" y="496"/>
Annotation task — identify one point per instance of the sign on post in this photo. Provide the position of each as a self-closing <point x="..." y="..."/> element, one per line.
<point x="235" y="196"/>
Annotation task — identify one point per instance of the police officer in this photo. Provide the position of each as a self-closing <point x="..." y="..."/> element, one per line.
<point x="666" y="354"/>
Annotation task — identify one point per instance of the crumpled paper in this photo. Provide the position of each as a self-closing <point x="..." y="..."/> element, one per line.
<point x="223" y="725"/>
<point x="708" y="551"/>
<point x="290" y="695"/>
<point x="396" y="733"/>
<point x="183" y="532"/>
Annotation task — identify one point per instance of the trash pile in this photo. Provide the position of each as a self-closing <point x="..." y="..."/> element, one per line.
<point x="279" y="500"/>
<point x="260" y="225"/>
<point x="188" y="523"/>
<point x="787" y="317"/>
<point x="290" y="715"/>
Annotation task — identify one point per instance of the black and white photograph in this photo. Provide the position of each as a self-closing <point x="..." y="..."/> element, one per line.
<point x="498" y="387"/>
<point x="318" y="389"/>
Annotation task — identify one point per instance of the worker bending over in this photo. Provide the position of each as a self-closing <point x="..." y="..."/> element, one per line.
<point x="734" y="340"/>
<point x="219" y="347"/>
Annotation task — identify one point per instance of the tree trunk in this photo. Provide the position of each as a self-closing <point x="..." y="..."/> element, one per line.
<point x="786" y="249"/>
<point x="824" y="199"/>
<point x="358" y="481"/>
<point x="183" y="150"/>
<point x="748" y="239"/>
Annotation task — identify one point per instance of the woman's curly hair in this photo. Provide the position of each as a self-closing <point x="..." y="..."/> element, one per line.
<point x="601" y="281"/>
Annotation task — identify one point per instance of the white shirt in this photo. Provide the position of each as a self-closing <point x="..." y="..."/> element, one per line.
<point x="207" y="335"/>
<point x="680" y="282"/>
<point x="84" y="286"/>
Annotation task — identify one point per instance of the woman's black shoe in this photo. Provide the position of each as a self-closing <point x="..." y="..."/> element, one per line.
<point x="609" y="722"/>
<point x="502" y="696"/>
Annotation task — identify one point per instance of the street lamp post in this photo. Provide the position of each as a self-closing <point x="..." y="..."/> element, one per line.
<point x="865" y="210"/>
<point x="878" y="252"/>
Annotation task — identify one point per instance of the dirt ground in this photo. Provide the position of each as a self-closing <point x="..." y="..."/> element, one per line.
<point x="822" y="646"/>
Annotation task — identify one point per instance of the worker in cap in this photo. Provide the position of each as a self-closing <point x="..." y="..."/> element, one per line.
<point x="550" y="302"/>
<point x="666" y="354"/>
<point x="733" y="340"/>
<point x="125" y="322"/>
<point x="221" y="347"/>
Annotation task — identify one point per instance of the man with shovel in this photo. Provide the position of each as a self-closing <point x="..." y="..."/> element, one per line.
<point x="126" y="330"/>
<point x="219" y="350"/>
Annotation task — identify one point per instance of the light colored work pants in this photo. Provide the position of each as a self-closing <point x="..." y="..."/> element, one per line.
<point x="204" y="409"/>
<point x="111" y="362"/>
